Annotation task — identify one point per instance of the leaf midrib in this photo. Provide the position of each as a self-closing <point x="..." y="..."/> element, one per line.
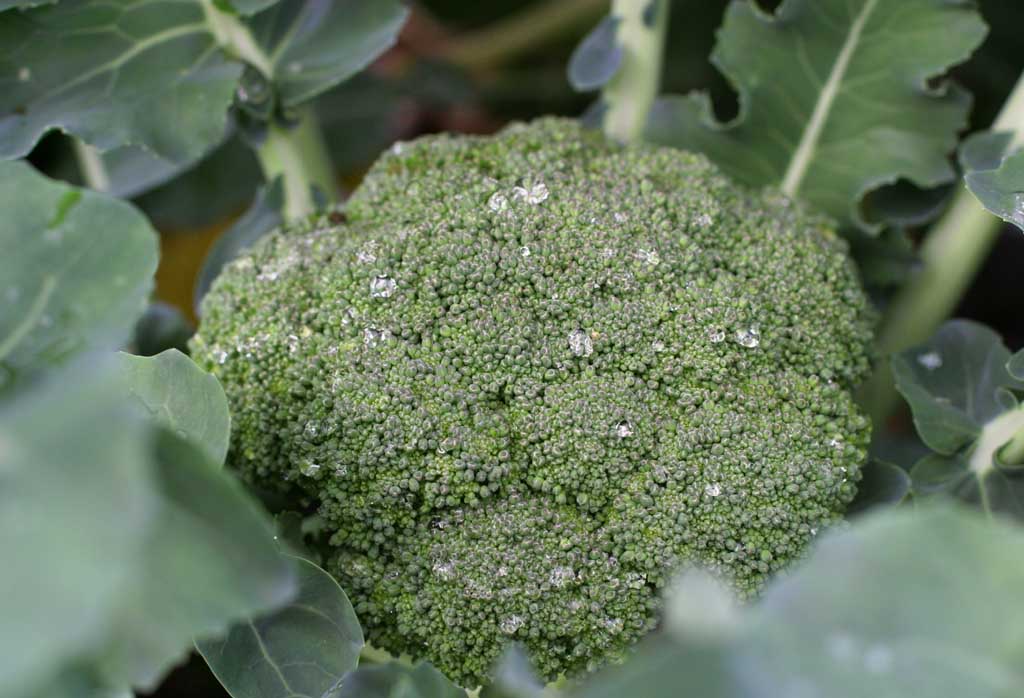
<point x="804" y="154"/>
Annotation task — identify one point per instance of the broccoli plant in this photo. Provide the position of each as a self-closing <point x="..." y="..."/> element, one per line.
<point x="637" y="398"/>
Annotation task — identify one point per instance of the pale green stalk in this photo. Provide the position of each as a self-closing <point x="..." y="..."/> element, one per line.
<point x="297" y="154"/>
<point x="951" y="255"/>
<point x="630" y="94"/>
<point x="90" y="164"/>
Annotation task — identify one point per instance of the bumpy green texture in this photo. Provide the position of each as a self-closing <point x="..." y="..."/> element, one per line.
<point x="532" y="373"/>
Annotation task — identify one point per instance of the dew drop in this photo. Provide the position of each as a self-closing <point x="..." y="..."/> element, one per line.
<point x="382" y="286"/>
<point x="524" y="251"/>
<point x="580" y="343"/>
<point x="24" y="74"/>
<point x="748" y="338"/>
<point x="658" y="346"/>
<point x="715" y="336"/>
<point x="366" y="257"/>
<point x="510" y="625"/>
<point x="1017" y="215"/>
<point x="613" y="625"/>
<point x="836" y="442"/>
<point x="532" y="194"/>
<point x="311" y="430"/>
<point x="560" y="576"/>
<point x="498" y="202"/>
<point x="220" y="356"/>
<point x="649" y="257"/>
<point x="373" y="336"/>
<point x="623" y="429"/>
<point x="930" y="360"/>
<point x="713" y="489"/>
<point x="444" y="570"/>
<point x="309" y="468"/>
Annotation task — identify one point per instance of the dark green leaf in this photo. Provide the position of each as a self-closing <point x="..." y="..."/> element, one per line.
<point x="262" y="217"/>
<point x="945" y="623"/>
<point x="67" y="289"/>
<point x="994" y="172"/>
<point x="210" y="559"/>
<point x="132" y="170"/>
<point x="397" y="680"/>
<point x="952" y="383"/>
<point x="124" y="541"/>
<point x="884" y="260"/>
<point x="597" y="58"/>
<point x="882" y="484"/>
<point x="161" y="327"/>
<point x="306" y="648"/>
<point x="315" y="44"/>
<point x="248" y="7"/>
<point x="130" y="72"/>
<point x="984" y="150"/>
<point x="662" y="669"/>
<point x="75" y="504"/>
<point x="174" y="393"/>
<point x="836" y="97"/>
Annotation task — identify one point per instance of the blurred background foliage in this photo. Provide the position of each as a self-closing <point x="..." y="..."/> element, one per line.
<point x="471" y="67"/>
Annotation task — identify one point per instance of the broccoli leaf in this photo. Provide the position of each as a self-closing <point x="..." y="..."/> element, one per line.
<point x="514" y="676"/>
<point x="177" y="394"/>
<point x="248" y="7"/>
<point x="857" y="110"/>
<point x="597" y="57"/>
<point x="994" y="172"/>
<point x="124" y="540"/>
<point x="303" y="649"/>
<point x="811" y="635"/>
<point x="128" y="72"/>
<point x="960" y="387"/>
<point x="22" y="4"/>
<point x="68" y="289"/>
<point x="398" y="680"/>
<point x="315" y="44"/>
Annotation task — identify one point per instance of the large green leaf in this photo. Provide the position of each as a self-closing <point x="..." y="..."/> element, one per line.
<point x="597" y="57"/>
<point x="904" y="602"/>
<point x="129" y="72"/>
<point x="836" y="97"/>
<point x="76" y="274"/>
<point x="946" y="621"/>
<point x="397" y="680"/>
<point x="209" y="560"/>
<point x="315" y="44"/>
<point x="961" y="389"/>
<point x="994" y="172"/>
<point x="306" y="648"/>
<point x="122" y="541"/>
<point x="175" y="393"/>
<point x="75" y="503"/>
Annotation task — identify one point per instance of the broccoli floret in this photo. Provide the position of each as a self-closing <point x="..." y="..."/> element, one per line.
<point x="524" y="377"/>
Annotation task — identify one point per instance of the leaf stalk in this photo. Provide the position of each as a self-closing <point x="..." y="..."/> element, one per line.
<point x="630" y="94"/>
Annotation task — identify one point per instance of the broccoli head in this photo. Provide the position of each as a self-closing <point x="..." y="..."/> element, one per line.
<point x="524" y="377"/>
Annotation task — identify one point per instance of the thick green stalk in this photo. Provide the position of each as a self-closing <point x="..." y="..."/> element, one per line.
<point x="951" y="255"/>
<point x="90" y="165"/>
<point x="297" y="154"/>
<point x="630" y="94"/>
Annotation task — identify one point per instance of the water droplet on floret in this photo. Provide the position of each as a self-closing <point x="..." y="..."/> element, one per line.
<point x="532" y="194"/>
<point x="510" y="625"/>
<point x="498" y="202"/>
<point x="373" y="336"/>
<point x="580" y="343"/>
<point x="713" y="489"/>
<point x="382" y="286"/>
<point x="649" y="257"/>
<point x="560" y="576"/>
<point x="524" y="251"/>
<point x="220" y="356"/>
<point x="309" y="468"/>
<point x="716" y="336"/>
<point x="623" y="429"/>
<point x="444" y="570"/>
<point x="748" y="338"/>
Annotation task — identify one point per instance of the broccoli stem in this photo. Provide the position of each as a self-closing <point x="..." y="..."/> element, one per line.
<point x="630" y="94"/>
<point x="951" y="254"/>
<point x="297" y="154"/>
<point x="90" y="165"/>
<point x="1013" y="452"/>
